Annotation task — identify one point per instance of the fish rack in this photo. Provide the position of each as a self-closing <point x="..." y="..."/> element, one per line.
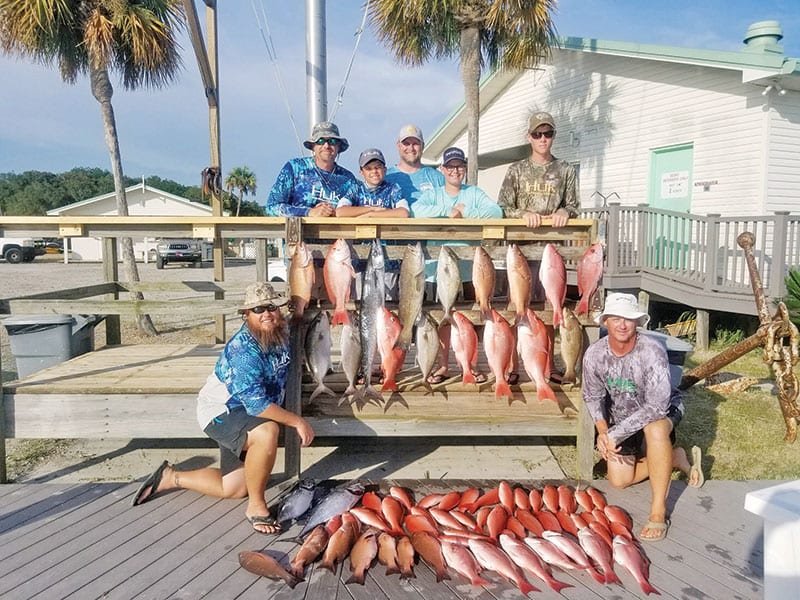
<point x="449" y="409"/>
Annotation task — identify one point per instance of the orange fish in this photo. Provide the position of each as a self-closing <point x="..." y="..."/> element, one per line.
<point x="465" y="520"/>
<point x="506" y="494"/>
<point x="553" y="275"/>
<point x="401" y="495"/>
<point x="620" y="529"/>
<point x="405" y="557"/>
<point x="567" y="524"/>
<point x="493" y="558"/>
<point x="590" y="271"/>
<point x="527" y="559"/>
<point x="603" y="531"/>
<point x="388" y="331"/>
<point x="449" y="500"/>
<point x="464" y="341"/>
<point x="534" y="348"/>
<point x="584" y="500"/>
<point x="549" y="521"/>
<point x="516" y="527"/>
<point x="428" y="547"/>
<point x="370" y="518"/>
<point x="387" y="553"/>
<point x="487" y="499"/>
<point x="392" y="512"/>
<point x="597" y="497"/>
<point x="445" y="519"/>
<point x="530" y="522"/>
<point x="301" y="279"/>
<point x="521" y="499"/>
<point x="333" y="524"/>
<point x="361" y="556"/>
<point x="468" y="496"/>
<point x="578" y="520"/>
<point x="550" y="497"/>
<point x="600" y="516"/>
<point x="498" y="343"/>
<point x="312" y="547"/>
<point x="482" y="516"/>
<point x="627" y="554"/>
<point x="566" y="499"/>
<point x="430" y="500"/>
<point x="535" y="496"/>
<point x="496" y="521"/>
<point x="265" y="565"/>
<point x="483" y="279"/>
<point x="339" y="546"/>
<point x="372" y="501"/>
<point x="391" y="367"/>
<point x="600" y="552"/>
<point x="618" y="514"/>
<point x="417" y="523"/>
<point x="519" y="281"/>
<point x="338" y="274"/>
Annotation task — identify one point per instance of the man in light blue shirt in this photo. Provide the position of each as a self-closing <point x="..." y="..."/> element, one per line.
<point x="409" y="173"/>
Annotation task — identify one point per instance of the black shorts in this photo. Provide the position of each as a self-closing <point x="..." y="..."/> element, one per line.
<point x="229" y="430"/>
<point x="634" y="445"/>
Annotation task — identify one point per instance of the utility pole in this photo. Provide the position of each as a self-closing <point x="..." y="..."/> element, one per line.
<point x="316" y="63"/>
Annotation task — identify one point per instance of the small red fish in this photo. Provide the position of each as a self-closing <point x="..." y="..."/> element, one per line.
<point x="405" y="557"/>
<point x="372" y="501"/>
<point x="445" y="519"/>
<point x="449" y="500"/>
<point x="401" y="495"/>
<point x="461" y="560"/>
<point x="312" y="547"/>
<point x="464" y="341"/>
<point x="361" y="556"/>
<point x="491" y="557"/>
<point x="584" y="500"/>
<point x="618" y="514"/>
<point x="603" y="531"/>
<point x="530" y="522"/>
<point x="590" y="271"/>
<point x="466" y="520"/>
<point x="516" y="527"/>
<point x="597" y="549"/>
<point x="553" y="275"/>
<point x="550" y="497"/>
<point x="370" y="518"/>
<point x="392" y="512"/>
<point x="597" y="497"/>
<point x="496" y="521"/>
<point x="430" y="500"/>
<point x="429" y="548"/>
<point x="417" y="523"/>
<point x="535" y="497"/>
<point x="528" y="560"/>
<point x="627" y="554"/>
<point x="338" y="273"/>
<point x="549" y="521"/>
<point x="566" y="499"/>
<point x="265" y="565"/>
<point x="506" y="495"/>
<point x="387" y="553"/>
<point x="521" y="499"/>
<point x="487" y="499"/>
<point x="468" y="496"/>
<point x="567" y="524"/>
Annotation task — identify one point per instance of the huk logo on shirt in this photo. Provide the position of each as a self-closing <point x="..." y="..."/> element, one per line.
<point x="620" y="384"/>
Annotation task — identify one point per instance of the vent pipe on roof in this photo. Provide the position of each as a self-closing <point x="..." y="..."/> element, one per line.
<point x="764" y="36"/>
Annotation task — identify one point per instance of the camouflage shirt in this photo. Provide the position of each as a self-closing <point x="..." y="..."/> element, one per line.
<point x="628" y="391"/>
<point x="539" y="188"/>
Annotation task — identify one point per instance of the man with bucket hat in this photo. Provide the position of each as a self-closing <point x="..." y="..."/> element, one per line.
<point x="627" y="391"/>
<point x="313" y="185"/>
<point x="241" y="408"/>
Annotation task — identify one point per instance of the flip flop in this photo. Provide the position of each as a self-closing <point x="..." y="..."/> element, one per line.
<point x="436" y="378"/>
<point x="265" y="520"/>
<point x="697" y="467"/>
<point x="512" y="378"/>
<point x="660" y="526"/>
<point x="149" y="485"/>
<point x="479" y="377"/>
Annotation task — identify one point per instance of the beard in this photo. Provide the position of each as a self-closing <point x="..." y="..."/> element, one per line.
<point x="276" y="337"/>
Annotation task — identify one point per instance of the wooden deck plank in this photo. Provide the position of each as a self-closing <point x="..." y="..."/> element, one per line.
<point x="182" y="545"/>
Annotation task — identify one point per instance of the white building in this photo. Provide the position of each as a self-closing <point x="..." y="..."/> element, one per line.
<point x="682" y="129"/>
<point x="143" y="200"/>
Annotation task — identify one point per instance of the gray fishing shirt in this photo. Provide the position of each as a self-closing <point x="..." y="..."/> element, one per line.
<point x="628" y="391"/>
<point x="539" y="188"/>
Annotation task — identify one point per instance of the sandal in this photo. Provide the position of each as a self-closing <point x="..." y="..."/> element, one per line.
<point x="512" y="378"/>
<point x="556" y="377"/>
<point x="438" y="376"/>
<point x="149" y="486"/>
<point x="659" y="526"/>
<point x="265" y="521"/>
<point x="697" y="467"/>
<point x="479" y="377"/>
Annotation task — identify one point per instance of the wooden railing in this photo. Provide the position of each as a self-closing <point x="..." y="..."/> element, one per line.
<point x="699" y="252"/>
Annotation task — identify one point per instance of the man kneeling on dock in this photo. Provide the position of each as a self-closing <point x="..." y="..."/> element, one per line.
<point x="627" y="391"/>
<point x="240" y="407"/>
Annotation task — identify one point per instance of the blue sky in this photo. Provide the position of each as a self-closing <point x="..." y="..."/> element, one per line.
<point x="48" y="125"/>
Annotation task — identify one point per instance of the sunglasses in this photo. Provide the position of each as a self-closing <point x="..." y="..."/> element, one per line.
<point x="329" y="141"/>
<point x="266" y="307"/>
<point x="538" y="134"/>
<point x="454" y="168"/>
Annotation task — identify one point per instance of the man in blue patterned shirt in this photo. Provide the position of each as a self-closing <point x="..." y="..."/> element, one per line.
<point x="241" y="408"/>
<point x="313" y="186"/>
<point x="628" y="393"/>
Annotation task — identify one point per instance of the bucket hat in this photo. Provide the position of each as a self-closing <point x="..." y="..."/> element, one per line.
<point x="625" y="306"/>
<point x="326" y="129"/>
<point x="259" y="294"/>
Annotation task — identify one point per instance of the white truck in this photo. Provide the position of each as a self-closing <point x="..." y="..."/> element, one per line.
<point x="17" y="250"/>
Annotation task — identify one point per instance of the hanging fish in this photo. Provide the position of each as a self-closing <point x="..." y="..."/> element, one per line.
<point x="318" y="352"/>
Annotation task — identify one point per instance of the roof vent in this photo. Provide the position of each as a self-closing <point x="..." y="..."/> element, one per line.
<point x="764" y="36"/>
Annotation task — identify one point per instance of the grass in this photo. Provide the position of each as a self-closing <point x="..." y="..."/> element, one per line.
<point x="741" y="434"/>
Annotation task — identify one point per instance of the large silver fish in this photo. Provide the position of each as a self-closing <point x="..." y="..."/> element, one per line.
<point x="350" y="345"/>
<point x="427" y="344"/>
<point x="574" y="341"/>
<point x="412" y="290"/>
<point x="337" y="502"/>
<point x="448" y="280"/>
<point x="318" y="352"/>
<point x="372" y="300"/>
<point x="297" y="503"/>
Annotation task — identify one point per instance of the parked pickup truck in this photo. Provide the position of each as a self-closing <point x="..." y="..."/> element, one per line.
<point x="17" y="250"/>
<point x="173" y="250"/>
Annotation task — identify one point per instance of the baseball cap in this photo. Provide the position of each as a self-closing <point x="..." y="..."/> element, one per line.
<point x="370" y="154"/>
<point x="408" y="131"/>
<point x="541" y="118"/>
<point x="453" y="153"/>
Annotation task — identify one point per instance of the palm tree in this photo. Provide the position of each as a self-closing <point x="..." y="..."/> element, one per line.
<point x="242" y="179"/>
<point x="509" y="33"/>
<point x="136" y="38"/>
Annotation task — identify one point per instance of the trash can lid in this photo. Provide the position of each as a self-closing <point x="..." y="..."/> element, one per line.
<point x="38" y="320"/>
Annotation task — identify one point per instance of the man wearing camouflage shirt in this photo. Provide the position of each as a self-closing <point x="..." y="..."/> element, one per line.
<point x="540" y="185"/>
<point x="628" y="393"/>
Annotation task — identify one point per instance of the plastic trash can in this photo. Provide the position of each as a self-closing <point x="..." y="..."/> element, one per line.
<point x="41" y="341"/>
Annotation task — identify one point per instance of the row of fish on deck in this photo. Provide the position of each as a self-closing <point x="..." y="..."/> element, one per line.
<point x="375" y="327"/>
<point x="513" y="531"/>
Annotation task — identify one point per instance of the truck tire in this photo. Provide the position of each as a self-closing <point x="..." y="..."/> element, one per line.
<point x="160" y="262"/>
<point x="14" y="255"/>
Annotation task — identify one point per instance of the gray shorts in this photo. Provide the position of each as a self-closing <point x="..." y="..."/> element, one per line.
<point x="634" y="445"/>
<point x="229" y="430"/>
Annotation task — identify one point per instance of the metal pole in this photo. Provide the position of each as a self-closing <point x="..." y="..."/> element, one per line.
<point x="316" y="63"/>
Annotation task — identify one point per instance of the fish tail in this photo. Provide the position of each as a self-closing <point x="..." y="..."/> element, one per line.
<point x="596" y="575"/>
<point x="356" y="578"/>
<point x="291" y="580"/>
<point x="649" y="589"/>
<point x="557" y="585"/>
<point x="369" y="392"/>
<point x="330" y="566"/>
<point x="526" y="587"/>
<point x="441" y="576"/>
<point x="545" y="392"/>
<point x="297" y="571"/>
<point x="392" y="570"/>
<point x="468" y="377"/>
<point x="583" y="306"/>
<point x="478" y="580"/>
<point x="611" y="577"/>
<point x="340" y="317"/>
<point x="503" y="389"/>
<point x="321" y="389"/>
<point x="407" y="574"/>
<point x="389" y="384"/>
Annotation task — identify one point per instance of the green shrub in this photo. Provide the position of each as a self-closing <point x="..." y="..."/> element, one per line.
<point x="792" y="298"/>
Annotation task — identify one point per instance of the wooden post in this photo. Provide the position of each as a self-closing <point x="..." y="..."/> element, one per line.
<point x="111" y="275"/>
<point x="712" y="248"/>
<point x="584" y="443"/>
<point x="3" y="473"/>
<point x="702" y="333"/>
<point x="294" y="388"/>
<point x="612" y="239"/>
<point x="777" y="271"/>
<point x="262" y="259"/>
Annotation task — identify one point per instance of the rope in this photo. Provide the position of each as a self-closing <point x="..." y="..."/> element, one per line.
<point x="359" y="32"/>
<point x="273" y="57"/>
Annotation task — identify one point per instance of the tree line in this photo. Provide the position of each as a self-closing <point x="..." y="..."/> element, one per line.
<point x="33" y="193"/>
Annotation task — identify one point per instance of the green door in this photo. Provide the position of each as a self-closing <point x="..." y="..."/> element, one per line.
<point x="670" y="189"/>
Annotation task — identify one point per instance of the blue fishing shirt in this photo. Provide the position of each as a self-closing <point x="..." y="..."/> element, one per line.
<point x="301" y="185"/>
